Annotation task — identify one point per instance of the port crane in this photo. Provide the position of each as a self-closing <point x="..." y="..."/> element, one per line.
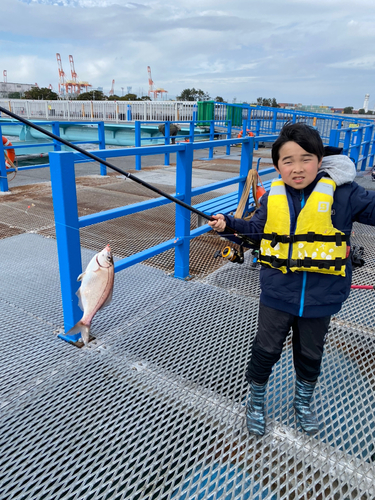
<point x="112" y="91"/>
<point x="73" y="86"/>
<point x="151" y="90"/>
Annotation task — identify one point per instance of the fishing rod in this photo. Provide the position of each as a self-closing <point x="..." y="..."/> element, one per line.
<point x="242" y="237"/>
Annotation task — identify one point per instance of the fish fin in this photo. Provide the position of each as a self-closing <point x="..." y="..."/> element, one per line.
<point x="78" y="293"/>
<point x="81" y="276"/>
<point x="84" y="330"/>
<point x="108" y="301"/>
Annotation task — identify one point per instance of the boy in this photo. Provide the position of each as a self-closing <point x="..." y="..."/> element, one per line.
<point x="303" y="225"/>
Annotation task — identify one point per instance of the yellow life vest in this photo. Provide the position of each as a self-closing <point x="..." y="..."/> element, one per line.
<point x="324" y="251"/>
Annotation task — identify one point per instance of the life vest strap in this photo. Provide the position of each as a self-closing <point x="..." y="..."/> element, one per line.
<point x="309" y="237"/>
<point x="306" y="262"/>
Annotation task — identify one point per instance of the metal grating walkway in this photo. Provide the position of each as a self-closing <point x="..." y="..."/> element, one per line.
<point x="154" y="409"/>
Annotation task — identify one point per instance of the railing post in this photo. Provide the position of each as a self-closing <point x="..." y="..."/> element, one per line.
<point x="195" y="113"/>
<point x="191" y="131"/>
<point x="244" y="128"/>
<point x="334" y="136"/>
<point x="347" y="139"/>
<point x="257" y="132"/>
<point x="167" y="140"/>
<point x="229" y="135"/>
<point x="3" y="170"/>
<point x="245" y="164"/>
<point x="101" y="137"/>
<point x="372" y="151"/>
<point x="366" y="146"/>
<point x="138" y="161"/>
<point x="274" y="122"/>
<point x="64" y="198"/>
<point x="56" y="131"/>
<point x="356" y="148"/>
<point x="212" y="138"/>
<point x="183" y="187"/>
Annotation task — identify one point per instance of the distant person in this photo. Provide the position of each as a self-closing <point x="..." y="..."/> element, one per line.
<point x="173" y="131"/>
<point x="303" y="225"/>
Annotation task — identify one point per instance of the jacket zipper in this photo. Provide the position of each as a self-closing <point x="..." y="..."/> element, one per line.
<point x="304" y="273"/>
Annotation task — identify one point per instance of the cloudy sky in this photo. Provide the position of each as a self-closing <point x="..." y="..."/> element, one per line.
<point x="307" y="51"/>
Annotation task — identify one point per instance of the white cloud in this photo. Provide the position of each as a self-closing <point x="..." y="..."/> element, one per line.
<point x="310" y="51"/>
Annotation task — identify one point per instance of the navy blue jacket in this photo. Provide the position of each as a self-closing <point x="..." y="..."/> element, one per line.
<point x="304" y="293"/>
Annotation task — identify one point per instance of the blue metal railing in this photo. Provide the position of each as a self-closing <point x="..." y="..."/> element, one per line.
<point x="67" y="222"/>
<point x="225" y="124"/>
<point x="56" y="147"/>
<point x="267" y="120"/>
<point x="357" y="142"/>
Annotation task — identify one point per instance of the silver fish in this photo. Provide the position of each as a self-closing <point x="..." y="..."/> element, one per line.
<point x="95" y="291"/>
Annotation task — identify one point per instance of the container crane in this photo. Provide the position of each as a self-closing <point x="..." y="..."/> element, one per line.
<point x="61" y="75"/>
<point x="151" y="90"/>
<point x="112" y="91"/>
<point x="150" y="82"/>
<point x="73" y="85"/>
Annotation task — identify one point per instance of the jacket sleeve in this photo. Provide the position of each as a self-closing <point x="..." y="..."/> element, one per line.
<point x="254" y="228"/>
<point x="362" y="205"/>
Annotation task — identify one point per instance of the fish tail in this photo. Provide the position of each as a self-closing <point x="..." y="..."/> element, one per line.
<point x="84" y="330"/>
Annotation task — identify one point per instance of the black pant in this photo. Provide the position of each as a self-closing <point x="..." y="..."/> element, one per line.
<point x="309" y="335"/>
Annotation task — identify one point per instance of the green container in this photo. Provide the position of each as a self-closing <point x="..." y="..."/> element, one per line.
<point x="234" y="113"/>
<point x="206" y="111"/>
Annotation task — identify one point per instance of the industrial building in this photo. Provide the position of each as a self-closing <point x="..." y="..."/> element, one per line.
<point x="9" y="88"/>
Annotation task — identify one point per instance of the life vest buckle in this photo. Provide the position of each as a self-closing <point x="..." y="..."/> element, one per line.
<point x="310" y="238"/>
<point x="282" y="238"/>
<point x="285" y="238"/>
<point x="276" y="263"/>
<point x="295" y="263"/>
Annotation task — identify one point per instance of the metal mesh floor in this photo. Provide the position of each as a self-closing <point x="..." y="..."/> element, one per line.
<point x="154" y="408"/>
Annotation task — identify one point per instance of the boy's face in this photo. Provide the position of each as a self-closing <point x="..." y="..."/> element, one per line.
<point x="297" y="167"/>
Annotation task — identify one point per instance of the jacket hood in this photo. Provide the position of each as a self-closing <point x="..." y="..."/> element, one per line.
<point x="340" y="169"/>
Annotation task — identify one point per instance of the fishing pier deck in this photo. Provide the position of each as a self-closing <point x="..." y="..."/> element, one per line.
<point x="154" y="407"/>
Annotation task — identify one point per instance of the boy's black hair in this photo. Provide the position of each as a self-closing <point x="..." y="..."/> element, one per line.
<point x="305" y="136"/>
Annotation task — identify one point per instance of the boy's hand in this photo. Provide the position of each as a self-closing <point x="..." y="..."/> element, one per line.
<point x="218" y="224"/>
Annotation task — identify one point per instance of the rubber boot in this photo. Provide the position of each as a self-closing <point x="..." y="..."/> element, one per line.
<point x="255" y="419"/>
<point x="305" y="416"/>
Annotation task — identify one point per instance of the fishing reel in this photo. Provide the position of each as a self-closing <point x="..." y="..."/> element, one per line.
<point x="231" y="254"/>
